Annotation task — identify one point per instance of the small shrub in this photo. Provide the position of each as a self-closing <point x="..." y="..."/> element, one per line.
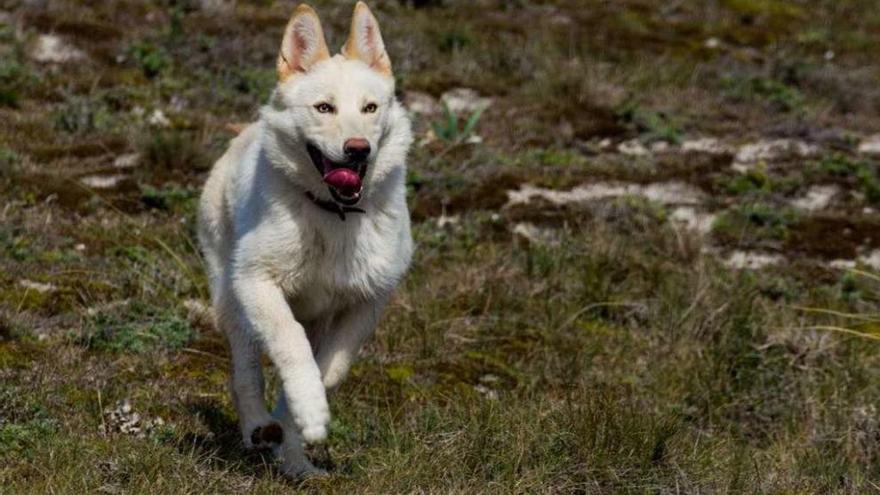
<point x="152" y="59"/>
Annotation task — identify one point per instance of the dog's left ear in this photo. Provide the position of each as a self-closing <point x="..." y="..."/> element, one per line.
<point x="365" y="41"/>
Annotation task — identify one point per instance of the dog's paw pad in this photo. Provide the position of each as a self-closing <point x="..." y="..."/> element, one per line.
<point x="267" y="435"/>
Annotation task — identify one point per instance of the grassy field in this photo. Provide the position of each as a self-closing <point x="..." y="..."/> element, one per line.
<point x="649" y="266"/>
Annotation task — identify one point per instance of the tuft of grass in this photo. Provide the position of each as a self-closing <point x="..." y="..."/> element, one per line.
<point x="454" y="130"/>
<point x="173" y="149"/>
<point x="754" y="180"/>
<point x="13" y="76"/>
<point x="650" y="125"/>
<point x="453" y="40"/>
<point x="776" y="94"/>
<point x="21" y="439"/>
<point x="151" y="58"/>
<point x="862" y="174"/>
<point x="9" y="162"/>
<point x="754" y="223"/>
<point x="82" y="116"/>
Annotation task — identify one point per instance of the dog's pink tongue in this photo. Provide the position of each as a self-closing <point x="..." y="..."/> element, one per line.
<point x="345" y="180"/>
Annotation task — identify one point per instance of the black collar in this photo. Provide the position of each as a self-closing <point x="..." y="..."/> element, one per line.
<point x="333" y="206"/>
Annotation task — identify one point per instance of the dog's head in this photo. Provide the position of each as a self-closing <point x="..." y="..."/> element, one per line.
<point x="336" y="125"/>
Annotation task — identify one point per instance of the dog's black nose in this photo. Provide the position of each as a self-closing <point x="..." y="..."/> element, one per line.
<point x="356" y="149"/>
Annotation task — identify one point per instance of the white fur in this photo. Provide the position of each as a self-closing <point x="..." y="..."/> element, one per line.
<point x="288" y="278"/>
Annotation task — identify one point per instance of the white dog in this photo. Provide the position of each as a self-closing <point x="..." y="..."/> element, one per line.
<point x="296" y="269"/>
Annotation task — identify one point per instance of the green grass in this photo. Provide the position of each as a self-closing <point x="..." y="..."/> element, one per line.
<point x="152" y="59"/>
<point x="620" y="356"/>
<point x="862" y="174"/>
<point x="137" y="330"/>
<point x="771" y="92"/>
<point x="754" y="224"/>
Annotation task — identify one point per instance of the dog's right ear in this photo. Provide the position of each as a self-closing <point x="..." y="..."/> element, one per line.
<point x="303" y="45"/>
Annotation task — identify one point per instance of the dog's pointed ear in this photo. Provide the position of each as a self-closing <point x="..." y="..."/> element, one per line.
<point x="365" y="41"/>
<point x="303" y="45"/>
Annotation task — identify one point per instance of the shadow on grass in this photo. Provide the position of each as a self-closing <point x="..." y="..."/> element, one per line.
<point x="222" y="444"/>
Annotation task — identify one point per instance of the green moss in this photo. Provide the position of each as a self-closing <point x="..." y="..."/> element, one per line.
<point x="138" y="329"/>
<point x="21" y="439"/>
<point x="399" y="372"/>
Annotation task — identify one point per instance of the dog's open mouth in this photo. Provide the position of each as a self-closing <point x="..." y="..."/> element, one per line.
<point x="344" y="180"/>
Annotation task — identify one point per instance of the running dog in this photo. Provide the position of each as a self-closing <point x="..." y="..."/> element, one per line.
<point x="305" y="230"/>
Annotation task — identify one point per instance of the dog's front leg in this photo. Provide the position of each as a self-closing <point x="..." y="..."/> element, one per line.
<point x="268" y="316"/>
<point x="337" y="350"/>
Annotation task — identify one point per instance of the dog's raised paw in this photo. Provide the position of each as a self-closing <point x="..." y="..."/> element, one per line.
<point x="267" y="436"/>
<point x="315" y="434"/>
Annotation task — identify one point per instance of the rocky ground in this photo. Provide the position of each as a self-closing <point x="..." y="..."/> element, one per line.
<point x="648" y="247"/>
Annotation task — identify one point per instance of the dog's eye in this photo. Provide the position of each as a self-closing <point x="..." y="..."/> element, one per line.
<point x="324" y="108"/>
<point x="370" y="108"/>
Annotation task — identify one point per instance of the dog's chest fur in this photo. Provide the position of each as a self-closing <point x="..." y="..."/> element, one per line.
<point x="342" y="263"/>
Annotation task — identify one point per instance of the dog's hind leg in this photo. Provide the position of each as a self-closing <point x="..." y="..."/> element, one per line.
<point x="291" y="452"/>
<point x="258" y="429"/>
<point x="339" y="345"/>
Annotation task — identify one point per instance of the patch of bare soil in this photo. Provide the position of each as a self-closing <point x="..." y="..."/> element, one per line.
<point x="834" y="236"/>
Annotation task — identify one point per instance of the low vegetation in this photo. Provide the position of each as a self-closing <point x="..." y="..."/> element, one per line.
<point x="545" y="347"/>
